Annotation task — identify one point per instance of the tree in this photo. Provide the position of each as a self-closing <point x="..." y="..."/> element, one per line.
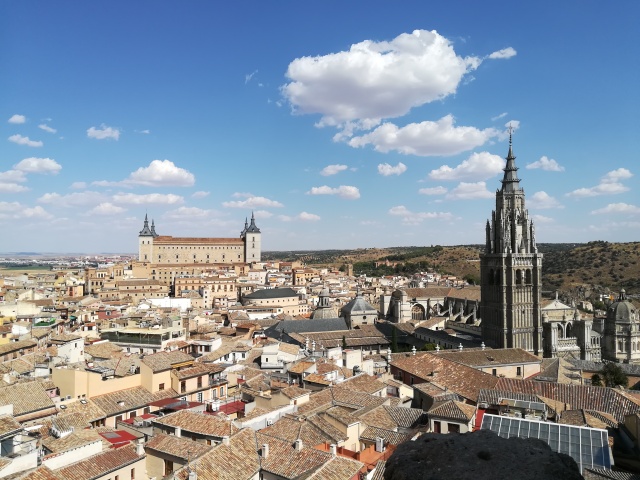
<point x="612" y="375"/>
<point x="428" y="347"/>
<point x="394" y="340"/>
<point x="596" y="380"/>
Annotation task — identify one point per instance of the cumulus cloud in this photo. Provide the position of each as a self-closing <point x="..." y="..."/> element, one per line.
<point x="332" y="170"/>
<point x="253" y="202"/>
<point x="308" y="217"/>
<point x="545" y="163"/>
<point x="470" y="191"/>
<point x="181" y="213"/>
<point x="20" y="140"/>
<point x="47" y="128"/>
<point x="374" y="80"/>
<point x="103" y="132"/>
<point x="36" y="212"/>
<point x="542" y="219"/>
<point x="504" y="53"/>
<point x="416" y="218"/>
<point x="479" y="166"/>
<point x="148" y="199"/>
<point x="17" y="119"/>
<point x="12" y="188"/>
<point x="543" y="200"/>
<point x="433" y="191"/>
<point x="75" y="199"/>
<point x="11" y="176"/>
<point x="106" y="209"/>
<point x="343" y="191"/>
<point x="613" y="208"/>
<point x="386" y="170"/>
<point x="440" y="138"/>
<point x="161" y="173"/>
<point x="78" y="185"/>
<point x="200" y="194"/>
<point x="46" y="166"/>
<point x="609" y="185"/>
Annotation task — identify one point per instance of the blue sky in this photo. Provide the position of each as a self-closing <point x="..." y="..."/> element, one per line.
<point x="340" y="124"/>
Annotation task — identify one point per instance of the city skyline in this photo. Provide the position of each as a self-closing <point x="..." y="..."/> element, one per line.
<point x="365" y="124"/>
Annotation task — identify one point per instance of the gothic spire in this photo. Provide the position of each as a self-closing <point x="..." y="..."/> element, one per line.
<point x="153" y="228"/>
<point x="252" y="227"/>
<point x="146" y="231"/>
<point x="510" y="181"/>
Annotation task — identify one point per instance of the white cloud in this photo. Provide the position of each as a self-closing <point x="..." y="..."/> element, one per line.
<point x="504" y="53"/>
<point x="479" y="166"/>
<point x="253" y="202"/>
<point x="386" y="170"/>
<point x="469" y="191"/>
<point x="17" y="119"/>
<point x="545" y="163"/>
<point x="36" y="212"/>
<point x="47" y="128"/>
<point x="105" y="209"/>
<point x="543" y="200"/>
<point x="242" y="195"/>
<point x="416" y="218"/>
<point x="624" y="208"/>
<point x="609" y="185"/>
<point x="433" y="191"/>
<point x="38" y="165"/>
<point x="249" y="76"/>
<point x="20" y="140"/>
<point x="103" y="132"/>
<point x="181" y="213"/>
<point x="75" y="199"/>
<point x="145" y="131"/>
<point x="12" y="188"/>
<point x="200" y="194"/>
<point x="11" y="176"/>
<point x="375" y="80"/>
<point x="343" y="191"/>
<point x="308" y="217"/>
<point x="498" y="117"/>
<point x="426" y="138"/>
<point x="161" y="173"/>
<point x="78" y="185"/>
<point x="332" y="170"/>
<point x="542" y="219"/>
<point x="148" y="199"/>
<point x="262" y="214"/>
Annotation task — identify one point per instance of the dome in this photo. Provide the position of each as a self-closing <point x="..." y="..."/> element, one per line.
<point x="622" y="311"/>
<point x="358" y="305"/>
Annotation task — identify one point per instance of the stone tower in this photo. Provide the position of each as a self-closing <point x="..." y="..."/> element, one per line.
<point x="511" y="270"/>
<point x="145" y="241"/>
<point x="252" y="237"/>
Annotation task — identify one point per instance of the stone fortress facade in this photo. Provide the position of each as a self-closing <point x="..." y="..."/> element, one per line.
<point x="167" y="250"/>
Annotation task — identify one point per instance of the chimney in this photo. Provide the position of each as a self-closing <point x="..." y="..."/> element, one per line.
<point x="265" y="450"/>
<point x="379" y="444"/>
<point x="413" y="350"/>
<point x="225" y="440"/>
<point x="483" y="346"/>
<point x="298" y="445"/>
<point x="333" y="449"/>
<point x="177" y="432"/>
<point x="139" y="448"/>
<point x="192" y="475"/>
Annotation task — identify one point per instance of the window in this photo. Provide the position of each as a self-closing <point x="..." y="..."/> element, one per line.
<point x="518" y="371"/>
<point x="453" y="428"/>
<point x="222" y="391"/>
<point x="133" y="474"/>
<point x="199" y="382"/>
<point x="183" y="386"/>
<point x="494" y="372"/>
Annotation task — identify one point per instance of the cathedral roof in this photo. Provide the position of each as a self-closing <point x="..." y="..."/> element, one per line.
<point x="252" y="228"/>
<point x="622" y="311"/>
<point x="510" y="181"/>
<point x="146" y="231"/>
<point x="358" y="304"/>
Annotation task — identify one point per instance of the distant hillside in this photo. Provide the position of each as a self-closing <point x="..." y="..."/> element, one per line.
<point x="594" y="266"/>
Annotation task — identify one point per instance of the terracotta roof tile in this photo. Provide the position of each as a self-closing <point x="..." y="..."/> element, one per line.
<point x="199" y="423"/>
<point x="180" y="447"/>
<point x="100" y="464"/>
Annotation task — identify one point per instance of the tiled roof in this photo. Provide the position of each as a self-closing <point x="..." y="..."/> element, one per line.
<point x="379" y="417"/>
<point x="365" y="383"/>
<point x="80" y="415"/>
<point x="294" y="392"/>
<point x="237" y="461"/>
<point x="161" y="361"/>
<point x="389" y="436"/>
<point x="461" y="379"/>
<point x="26" y="398"/>
<point x="310" y="432"/>
<point x="41" y="473"/>
<point x="338" y="468"/>
<point x="71" y="441"/>
<point x="100" y="464"/>
<point x="451" y="409"/>
<point x="603" y="399"/>
<point x="342" y="415"/>
<point x="271" y="293"/>
<point x="480" y="358"/>
<point x="287" y="462"/>
<point x="8" y="425"/>
<point x="197" y="370"/>
<point x="180" y="447"/>
<point x="380" y="468"/>
<point x="199" y="423"/>
<point x="406" y="417"/>
<point x="16" y="346"/>
<point x="131" y="399"/>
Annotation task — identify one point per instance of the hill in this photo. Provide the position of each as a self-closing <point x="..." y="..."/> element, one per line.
<point x="580" y="269"/>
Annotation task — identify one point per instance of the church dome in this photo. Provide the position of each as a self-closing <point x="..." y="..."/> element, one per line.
<point x="622" y="311"/>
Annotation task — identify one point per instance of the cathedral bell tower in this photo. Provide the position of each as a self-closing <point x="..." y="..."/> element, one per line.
<point x="511" y="270"/>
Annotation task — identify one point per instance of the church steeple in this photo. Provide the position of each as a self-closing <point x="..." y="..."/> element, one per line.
<point x="146" y="231"/>
<point x="153" y="229"/>
<point x="510" y="181"/>
<point x="252" y="226"/>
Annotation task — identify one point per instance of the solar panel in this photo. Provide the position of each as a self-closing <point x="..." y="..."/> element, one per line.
<point x="589" y="447"/>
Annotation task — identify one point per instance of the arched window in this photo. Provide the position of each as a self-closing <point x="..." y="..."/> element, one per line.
<point x="528" y="277"/>
<point x="518" y="277"/>
<point x="417" y="312"/>
<point x="569" y="330"/>
<point x="560" y="331"/>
